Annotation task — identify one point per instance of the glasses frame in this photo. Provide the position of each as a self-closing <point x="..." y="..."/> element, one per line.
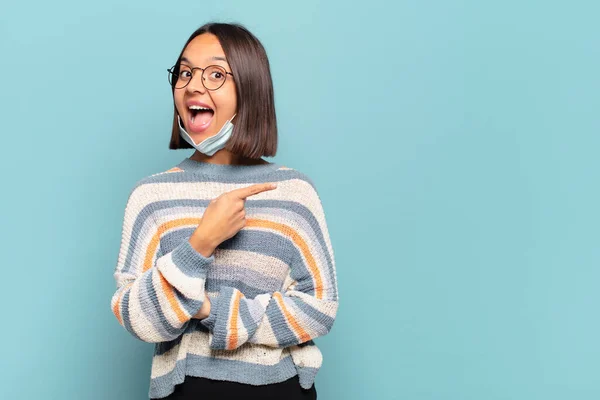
<point x="172" y="73"/>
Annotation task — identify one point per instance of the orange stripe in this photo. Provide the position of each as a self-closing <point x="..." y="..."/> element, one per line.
<point x="174" y="169"/>
<point x="301" y="333"/>
<point x="117" y="307"/>
<point x="301" y="243"/>
<point x="155" y="241"/>
<point x="151" y="250"/>
<point x="168" y="290"/>
<point x="233" y="322"/>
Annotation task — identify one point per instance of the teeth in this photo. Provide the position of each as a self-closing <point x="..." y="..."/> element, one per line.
<point x="199" y="108"/>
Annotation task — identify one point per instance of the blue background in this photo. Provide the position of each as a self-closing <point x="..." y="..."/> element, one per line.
<point x="454" y="145"/>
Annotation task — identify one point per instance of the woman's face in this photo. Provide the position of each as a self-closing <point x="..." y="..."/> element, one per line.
<point x="202" y="51"/>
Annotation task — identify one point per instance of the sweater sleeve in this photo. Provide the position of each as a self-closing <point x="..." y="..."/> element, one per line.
<point x="305" y="310"/>
<point x="157" y="294"/>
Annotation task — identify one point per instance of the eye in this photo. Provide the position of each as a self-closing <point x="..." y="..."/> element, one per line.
<point x="216" y="75"/>
<point x="185" y="72"/>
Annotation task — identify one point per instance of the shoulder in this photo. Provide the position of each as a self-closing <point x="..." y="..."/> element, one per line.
<point x="299" y="187"/>
<point x="296" y="179"/>
<point x="139" y="198"/>
<point x="143" y="190"/>
<point x="147" y="182"/>
<point x="300" y="192"/>
<point x="293" y="174"/>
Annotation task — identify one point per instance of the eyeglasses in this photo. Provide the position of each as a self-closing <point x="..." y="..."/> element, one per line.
<point x="213" y="76"/>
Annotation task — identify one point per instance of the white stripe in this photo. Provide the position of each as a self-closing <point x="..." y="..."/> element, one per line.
<point x="266" y="265"/>
<point x="307" y="356"/>
<point x="164" y="303"/>
<point x="190" y="287"/>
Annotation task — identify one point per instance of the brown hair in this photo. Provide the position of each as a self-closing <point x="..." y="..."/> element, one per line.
<point x="255" y="128"/>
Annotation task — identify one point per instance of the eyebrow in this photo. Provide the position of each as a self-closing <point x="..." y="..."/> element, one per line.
<point x="213" y="58"/>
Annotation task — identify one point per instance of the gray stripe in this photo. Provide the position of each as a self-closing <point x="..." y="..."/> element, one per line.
<point x="151" y="308"/>
<point x="307" y="375"/>
<point x="170" y="240"/>
<point x="284" y="335"/>
<point x="224" y="370"/>
<point x="308" y="229"/>
<point x="322" y="319"/>
<point x="189" y="261"/>
<point x="161" y="348"/>
<point x="140" y="219"/>
<point x="246" y="317"/>
<point x="193" y="176"/>
<point x="243" y="240"/>
<point x="191" y="306"/>
<point x="125" y="313"/>
<point x="219" y="317"/>
<point x="252" y="240"/>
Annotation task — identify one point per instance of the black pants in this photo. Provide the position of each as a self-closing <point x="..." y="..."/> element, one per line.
<point x="208" y="389"/>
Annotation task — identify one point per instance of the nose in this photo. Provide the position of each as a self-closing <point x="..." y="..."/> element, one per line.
<point x="195" y="84"/>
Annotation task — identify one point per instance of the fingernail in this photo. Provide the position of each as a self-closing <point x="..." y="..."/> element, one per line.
<point x="273" y="185"/>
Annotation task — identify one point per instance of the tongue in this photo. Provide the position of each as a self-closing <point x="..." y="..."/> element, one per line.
<point x="202" y="118"/>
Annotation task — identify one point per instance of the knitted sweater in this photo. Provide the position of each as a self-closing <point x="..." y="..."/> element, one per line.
<point x="272" y="286"/>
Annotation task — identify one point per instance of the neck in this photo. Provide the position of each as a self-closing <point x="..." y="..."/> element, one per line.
<point x="226" y="157"/>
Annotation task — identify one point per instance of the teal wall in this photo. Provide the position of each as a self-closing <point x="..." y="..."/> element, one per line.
<point x="454" y="145"/>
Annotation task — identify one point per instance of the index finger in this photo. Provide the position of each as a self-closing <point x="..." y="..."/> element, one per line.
<point x="242" y="193"/>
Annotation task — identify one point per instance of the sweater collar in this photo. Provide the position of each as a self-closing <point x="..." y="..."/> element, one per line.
<point x="226" y="170"/>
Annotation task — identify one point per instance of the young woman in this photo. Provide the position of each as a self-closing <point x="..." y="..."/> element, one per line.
<point x="225" y="261"/>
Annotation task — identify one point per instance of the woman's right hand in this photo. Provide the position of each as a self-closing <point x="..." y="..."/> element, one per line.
<point x="224" y="217"/>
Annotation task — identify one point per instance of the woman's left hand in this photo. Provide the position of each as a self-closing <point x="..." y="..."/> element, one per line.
<point x="204" y="311"/>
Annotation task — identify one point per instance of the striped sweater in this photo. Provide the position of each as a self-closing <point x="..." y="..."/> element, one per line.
<point x="272" y="286"/>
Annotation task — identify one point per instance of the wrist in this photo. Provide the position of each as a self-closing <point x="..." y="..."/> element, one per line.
<point x="202" y="246"/>
<point x="204" y="311"/>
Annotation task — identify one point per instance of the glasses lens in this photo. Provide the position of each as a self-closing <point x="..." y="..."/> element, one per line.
<point x="213" y="77"/>
<point x="181" y="79"/>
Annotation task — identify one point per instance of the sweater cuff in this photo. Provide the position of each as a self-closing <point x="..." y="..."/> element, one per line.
<point x="189" y="261"/>
<point x="217" y="319"/>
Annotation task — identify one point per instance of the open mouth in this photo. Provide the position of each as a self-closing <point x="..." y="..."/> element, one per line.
<point x="200" y="117"/>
